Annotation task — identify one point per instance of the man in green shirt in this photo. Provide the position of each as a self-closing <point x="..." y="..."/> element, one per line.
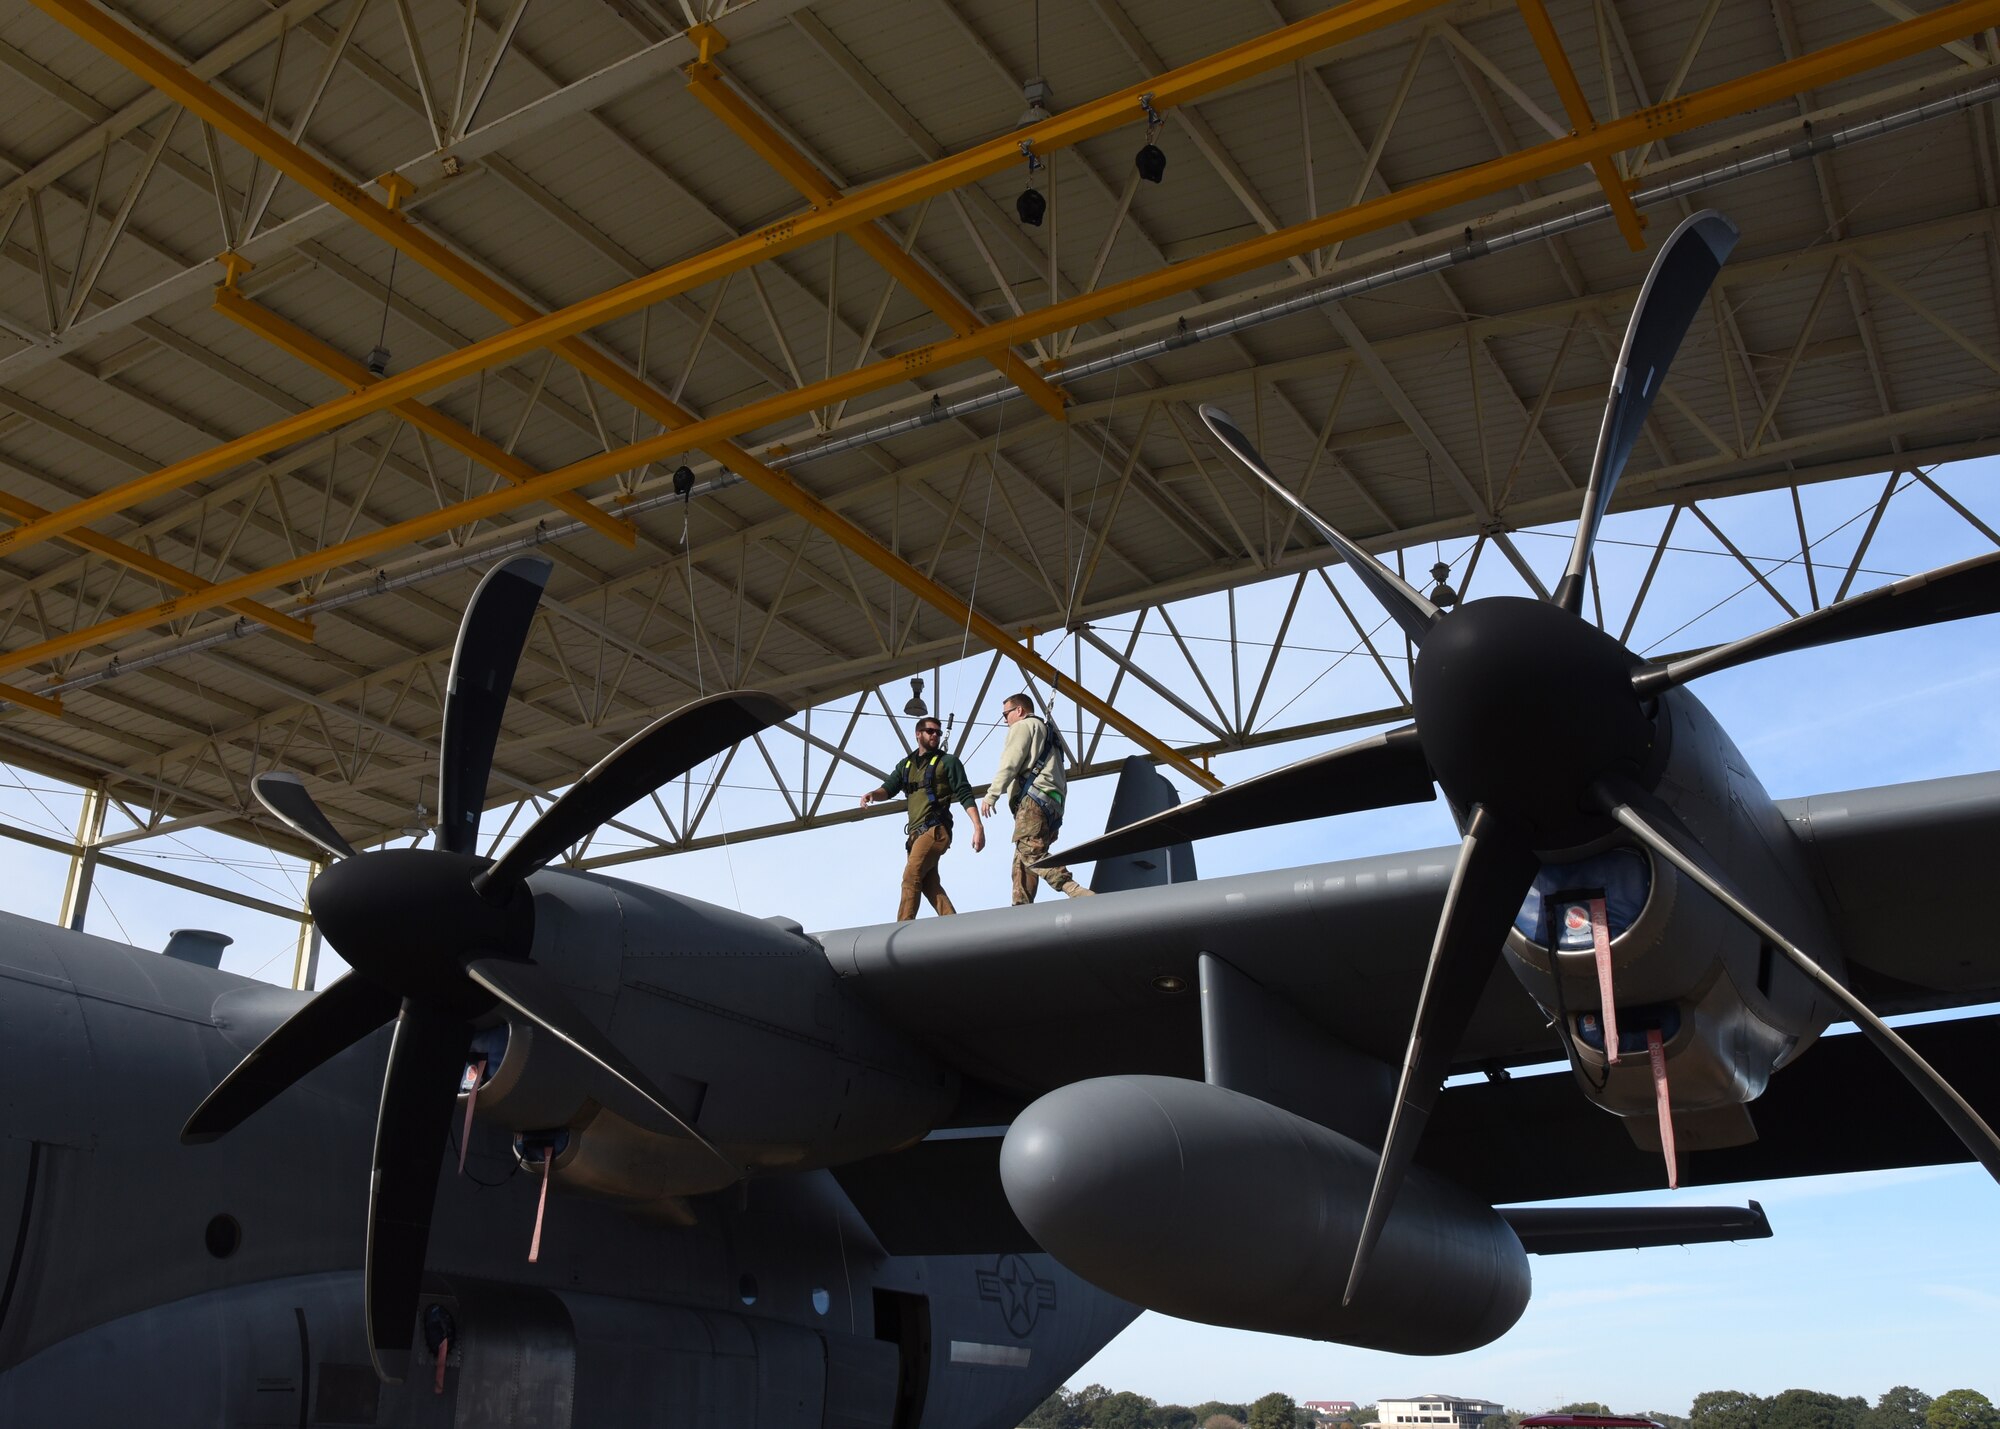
<point x="935" y="781"/>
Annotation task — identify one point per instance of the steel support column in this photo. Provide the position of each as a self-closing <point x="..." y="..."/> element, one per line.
<point x="83" y="859"/>
<point x="305" y="961"/>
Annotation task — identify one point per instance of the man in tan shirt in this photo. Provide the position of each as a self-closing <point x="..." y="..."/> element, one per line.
<point x="1032" y="781"/>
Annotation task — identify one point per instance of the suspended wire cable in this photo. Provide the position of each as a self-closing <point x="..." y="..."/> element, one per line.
<point x="979" y="555"/>
<point x="1103" y="455"/>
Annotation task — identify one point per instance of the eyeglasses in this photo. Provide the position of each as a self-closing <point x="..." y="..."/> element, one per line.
<point x="929" y="729"/>
<point x="1008" y="712"/>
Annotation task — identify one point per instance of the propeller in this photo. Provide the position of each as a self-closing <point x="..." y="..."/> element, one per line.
<point x="286" y="797"/>
<point x="1372" y="773"/>
<point x="1948" y="593"/>
<point x="1675" y="285"/>
<point x="1539" y="727"/>
<point x="439" y="941"/>
<point x="1408" y="607"/>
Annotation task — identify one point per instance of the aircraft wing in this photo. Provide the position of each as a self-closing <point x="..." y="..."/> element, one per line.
<point x="1838" y="1108"/>
<point x="1027" y="999"/>
<point x="1907" y="872"/>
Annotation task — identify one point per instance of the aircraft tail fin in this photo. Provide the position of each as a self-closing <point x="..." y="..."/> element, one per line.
<point x="1142" y="792"/>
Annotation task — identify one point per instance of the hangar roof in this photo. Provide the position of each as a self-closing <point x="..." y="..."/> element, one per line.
<point x="811" y="207"/>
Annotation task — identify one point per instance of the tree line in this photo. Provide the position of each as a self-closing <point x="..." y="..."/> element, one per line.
<point x="1095" y="1407"/>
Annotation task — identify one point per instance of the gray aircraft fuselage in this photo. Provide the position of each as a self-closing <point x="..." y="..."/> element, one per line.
<point x="150" y="1282"/>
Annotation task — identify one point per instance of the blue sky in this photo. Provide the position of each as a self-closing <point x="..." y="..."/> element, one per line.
<point x="1870" y="1281"/>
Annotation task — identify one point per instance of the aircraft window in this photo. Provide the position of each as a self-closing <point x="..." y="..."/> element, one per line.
<point x="822" y="1302"/>
<point x="223" y="1236"/>
<point x="746" y="1289"/>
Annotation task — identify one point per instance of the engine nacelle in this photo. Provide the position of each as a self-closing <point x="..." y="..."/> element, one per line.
<point x="740" y="1023"/>
<point x="1204" y="1203"/>
<point x="1729" y="1009"/>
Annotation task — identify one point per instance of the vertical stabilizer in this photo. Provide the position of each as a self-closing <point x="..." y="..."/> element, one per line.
<point x="1142" y="792"/>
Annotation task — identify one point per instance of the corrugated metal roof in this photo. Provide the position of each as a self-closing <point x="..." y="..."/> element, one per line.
<point x="1892" y="239"/>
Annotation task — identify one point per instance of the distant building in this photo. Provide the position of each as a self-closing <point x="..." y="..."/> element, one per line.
<point x="1443" y="1411"/>
<point x="1334" y="1407"/>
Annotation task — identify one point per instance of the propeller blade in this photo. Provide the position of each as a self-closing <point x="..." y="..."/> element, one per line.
<point x="533" y="994"/>
<point x="419" y="1093"/>
<point x="1405" y="605"/>
<point x="1494" y="872"/>
<point x="1674" y="290"/>
<point x="337" y="1017"/>
<point x="1372" y="773"/>
<point x="663" y="750"/>
<point x="490" y="640"/>
<point x="1955" y="592"/>
<point x="286" y="797"/>
<point x="1656" y="827"/>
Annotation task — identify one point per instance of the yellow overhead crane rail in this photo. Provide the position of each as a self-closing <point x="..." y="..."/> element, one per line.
<point x="1597" y="142"/>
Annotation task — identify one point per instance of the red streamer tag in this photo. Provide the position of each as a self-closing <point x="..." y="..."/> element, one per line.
<point x="535" y="1245"/>
<point x="473" y="1072"/>
<point x="1656" y="1049"/>
<point x="444" y="1348"/>
<point x="1600" y="940"/>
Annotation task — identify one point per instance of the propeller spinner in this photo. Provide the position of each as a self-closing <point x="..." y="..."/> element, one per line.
<point x="440" y="938"/>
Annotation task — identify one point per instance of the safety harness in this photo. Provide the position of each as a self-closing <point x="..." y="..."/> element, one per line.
<point x="1051" y="805"/>
<point x="937" y="813"/>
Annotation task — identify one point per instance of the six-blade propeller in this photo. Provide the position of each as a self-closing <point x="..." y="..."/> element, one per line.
<point x="439" y="939"/>
<point x="1539" y="729"/>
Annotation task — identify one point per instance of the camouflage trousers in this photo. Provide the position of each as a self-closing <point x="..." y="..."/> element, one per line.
<point x="1032" y="838"/>
<point x="920" y="873"/>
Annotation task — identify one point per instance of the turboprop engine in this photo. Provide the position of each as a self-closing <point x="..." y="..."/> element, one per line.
<point x="1201" y="1202"/>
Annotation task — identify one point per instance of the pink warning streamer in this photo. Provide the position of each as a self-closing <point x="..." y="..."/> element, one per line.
<point x="1600" y="940"/>
<point x="1656" y="1049"/>
<point x="535" y="1245"/>
<point x="469" y="1084"/>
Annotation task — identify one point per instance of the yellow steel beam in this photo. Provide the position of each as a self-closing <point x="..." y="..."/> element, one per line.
<point x="1181" y="86"/>
<point x="711" y="87"/>
<point x="28" y="699"/>
<point x="150" y="565"/>
<point x="289" y="337"/>
<point x="1690" y="111"/>
<point x="1630" y="221"/>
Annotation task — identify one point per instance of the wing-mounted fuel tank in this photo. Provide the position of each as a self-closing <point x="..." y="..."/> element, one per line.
<point x="1205" y="1203"/>
<point x="1238" y="1200"/>
<point x="740" y="1022"/>
<point x="1728" y="1009"/>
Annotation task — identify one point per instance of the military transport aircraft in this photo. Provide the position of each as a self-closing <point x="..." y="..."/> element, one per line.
<point x="562" y="1149"/>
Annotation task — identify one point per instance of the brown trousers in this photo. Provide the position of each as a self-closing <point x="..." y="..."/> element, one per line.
<point x="920" y="874"/>
<point x="1031" y="845"/>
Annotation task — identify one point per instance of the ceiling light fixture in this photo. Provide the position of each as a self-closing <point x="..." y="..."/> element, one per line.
<point x="1443" y="596"/>
<point x="1151" y="161"/>
<point x="916" y="705"/>
<point x="1031" y="206"/>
